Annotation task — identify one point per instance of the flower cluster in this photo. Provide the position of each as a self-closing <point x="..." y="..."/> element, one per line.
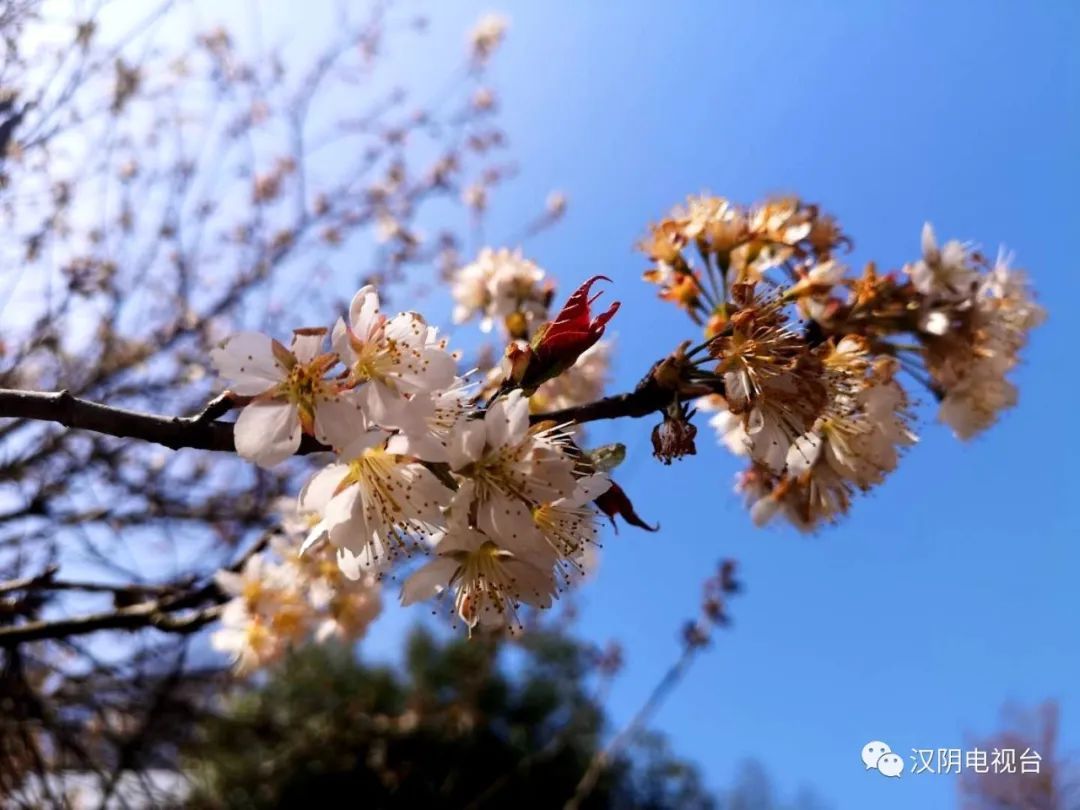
<point x="501" y="286"/>
<point x="279" y="599"/>
<point x="801" y="360"/>
<point x="503" y="506"/>
<point x="800" y="364"/>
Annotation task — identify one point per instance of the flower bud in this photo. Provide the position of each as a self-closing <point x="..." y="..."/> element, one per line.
<point x="516" y="361"/>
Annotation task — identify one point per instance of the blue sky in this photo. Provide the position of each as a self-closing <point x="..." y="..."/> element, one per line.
<point x="950" y="590"/>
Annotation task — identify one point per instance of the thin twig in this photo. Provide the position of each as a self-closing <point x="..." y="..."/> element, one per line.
<point x="604" y="757"/>
<point x="135" y="617"/>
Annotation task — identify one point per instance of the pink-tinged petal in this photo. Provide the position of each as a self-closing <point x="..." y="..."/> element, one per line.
<point x="267" y="432"/>
<point x="339" y="419"/>
<point x="429" y="580"/>
<point x="307" y="344"/>
<point x="466" y="443"/>
<point x="247" y="361"/>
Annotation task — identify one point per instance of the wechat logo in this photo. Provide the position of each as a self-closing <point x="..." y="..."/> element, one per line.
<point x="878" y="755"/>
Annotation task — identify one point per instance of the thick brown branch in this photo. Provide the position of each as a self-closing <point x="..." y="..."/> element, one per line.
<point x="174" y="432"/>
<point x="649" y="397"/>
<point x="200" y="433"/>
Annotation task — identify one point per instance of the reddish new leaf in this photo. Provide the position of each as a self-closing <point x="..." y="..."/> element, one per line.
<point x="616" y="502"/>
<point x="559" y="344"/>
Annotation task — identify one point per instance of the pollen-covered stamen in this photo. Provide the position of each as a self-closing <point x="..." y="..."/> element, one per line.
<point x="388" y="497"/>
<point x="486" y="590"/>
<point x="373" y="354"/>
<point x="306" y="385"/>
<point x="568" y="529"/>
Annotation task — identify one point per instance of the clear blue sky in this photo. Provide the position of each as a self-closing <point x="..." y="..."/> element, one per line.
<point x="951" y="589"/>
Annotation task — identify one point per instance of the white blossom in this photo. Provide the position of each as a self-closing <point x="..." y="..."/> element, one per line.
<point x="394" y="362"/>
<point x="292" y="394"/>
<point x="489" y="582"/>
<point x="505" y="468"/>
<point x="374" y="503"/>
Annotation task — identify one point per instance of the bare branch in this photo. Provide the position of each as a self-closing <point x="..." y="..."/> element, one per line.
<point x="202" y="432"/>
<point x="174" y="432"/>
<point x="135" y="617"/>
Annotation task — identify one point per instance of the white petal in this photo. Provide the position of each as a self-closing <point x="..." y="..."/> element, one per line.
<point x="763" y="510"/>
<point x="340" y="515"/>
<point x="391" y="410"/>
<point x="803" y="452"/>
<point x="437" y="370"/>
<point x="317" y="533"/>
<point x="737" y="389"/>
<point x="349" y="564"/>
<point x="935" y="322"/>
<point x="428" y="580"/>
<point x="532" y="584"/>
<point x="590" y="488"/>
<point x="507" y="420"/>
<point x="424" y="446"/>
<point x="339" y="419"/>
<point x="466" y="443"/>
<point x="230" y="582"/>
<point x="929" y="243"/>
<point x="364" y="311"/>
<point x="307" y="347"/>
<point x="267" y="432"/>
<point x="319" y="489"/>
<point x="339" y="342"/>
<point x="361" y="442"/>
<point x="509" y="523"/>
<point x="248" y="362"/>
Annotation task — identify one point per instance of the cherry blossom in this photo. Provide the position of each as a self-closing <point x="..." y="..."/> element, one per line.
<point x="291" y="392"/>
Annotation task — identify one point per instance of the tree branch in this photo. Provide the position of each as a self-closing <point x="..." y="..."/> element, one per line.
<point x="649" y="397"/>
<point x="174" y="432"/>
<point x="203" y="432"/>
<point x="135" y="617"/>
<point x="160" y="613"/>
